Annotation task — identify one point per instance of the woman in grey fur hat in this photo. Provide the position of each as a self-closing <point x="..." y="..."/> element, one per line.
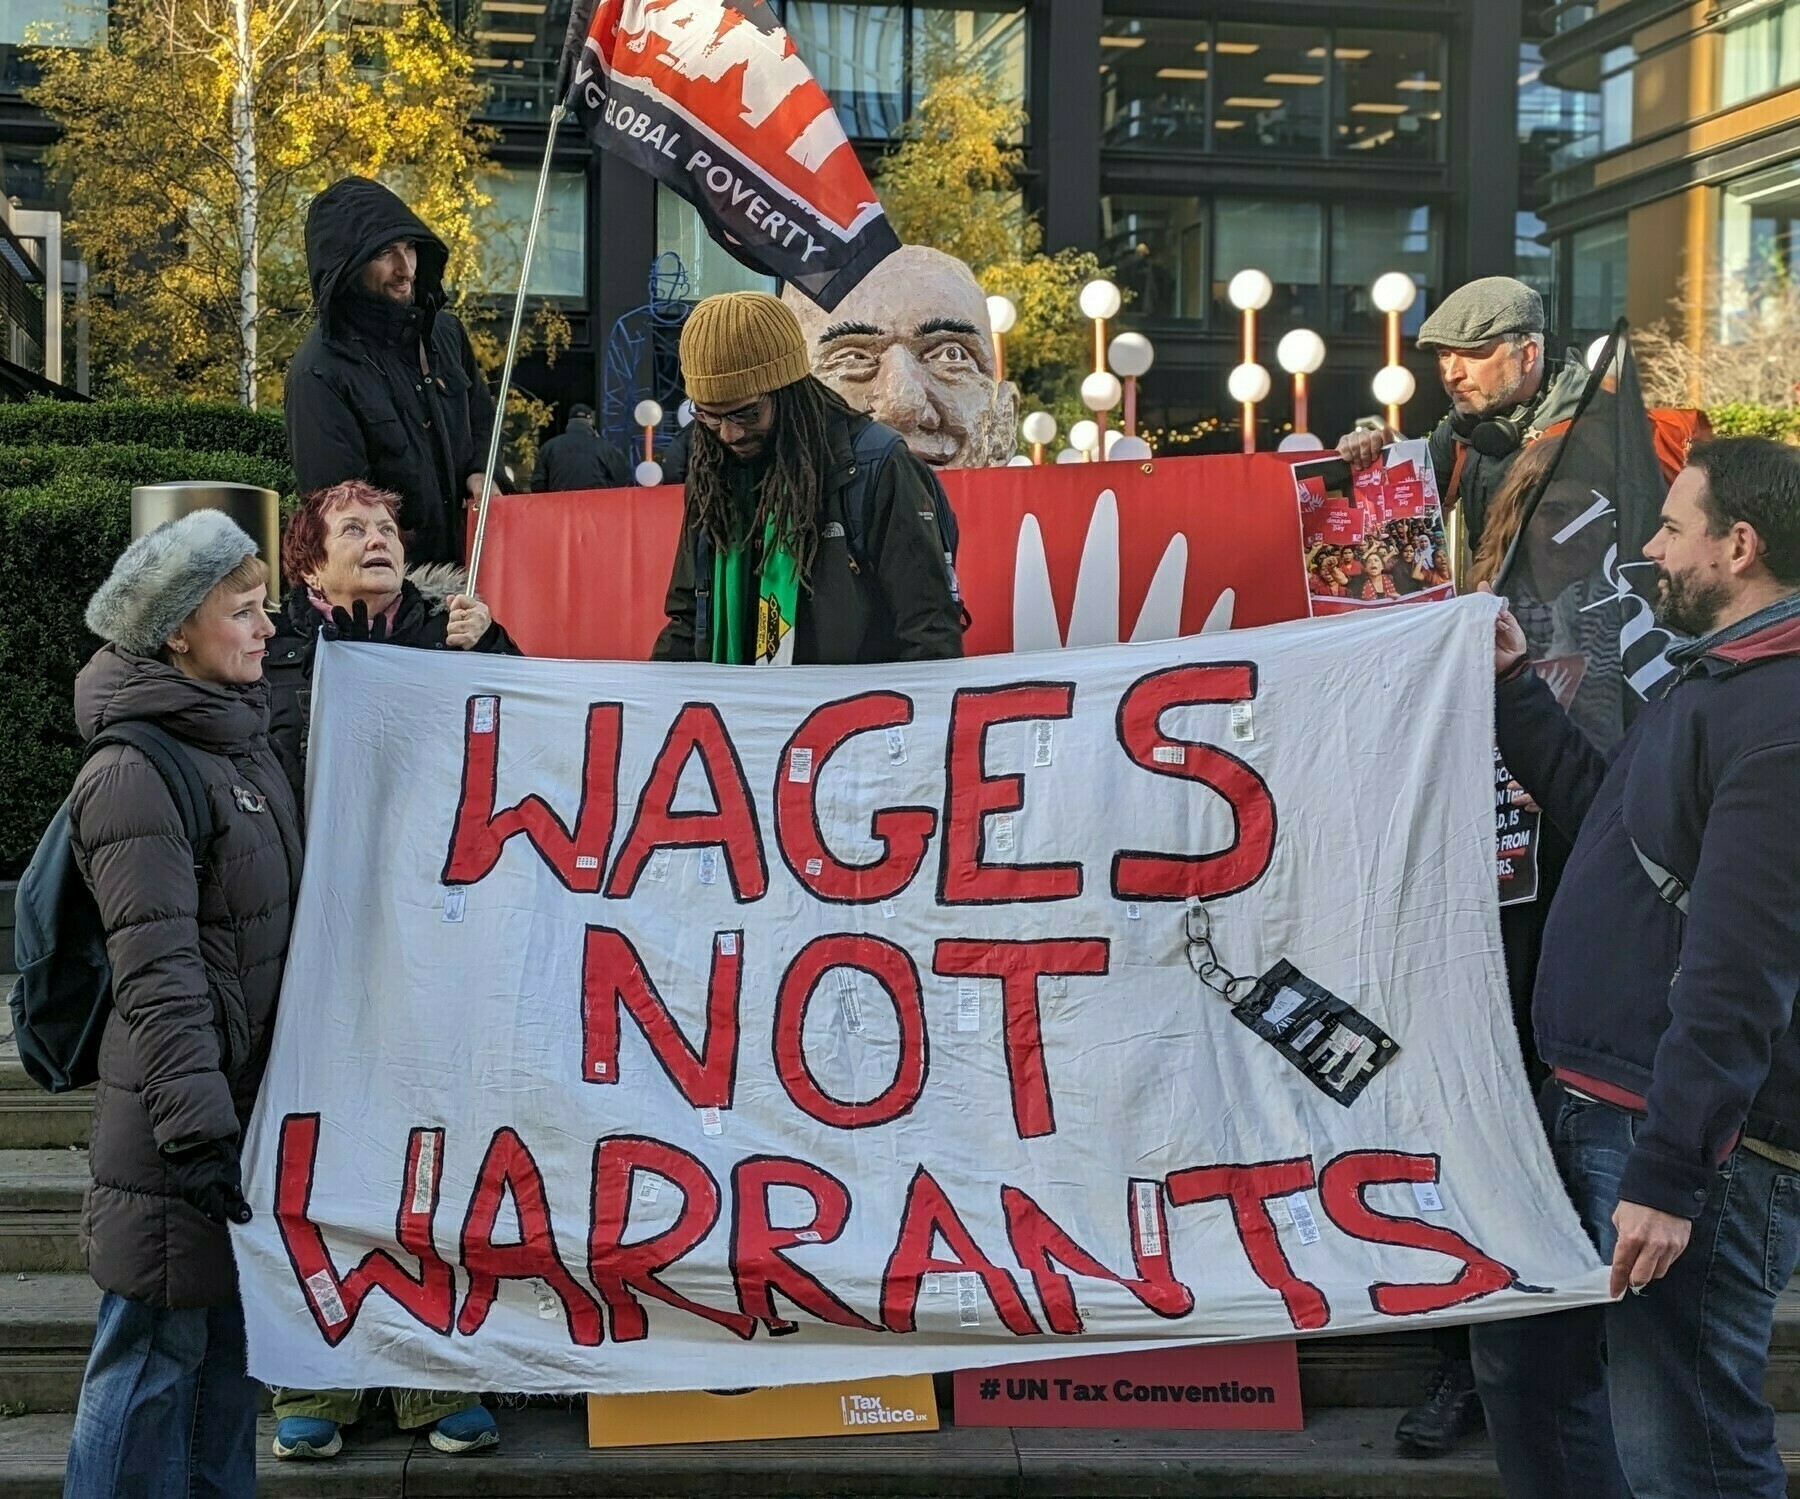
<point x="167" y="1407"/>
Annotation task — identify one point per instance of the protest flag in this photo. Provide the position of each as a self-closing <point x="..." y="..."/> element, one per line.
<point x="1575" y="574"/>
<point x="711" y="99"/>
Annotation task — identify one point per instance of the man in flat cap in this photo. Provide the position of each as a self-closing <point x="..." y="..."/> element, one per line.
<point x="1489" y="340"/>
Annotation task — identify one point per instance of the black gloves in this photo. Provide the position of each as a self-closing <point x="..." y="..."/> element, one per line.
<point x="354" y="624"/>
<point x="208" y="1177"/>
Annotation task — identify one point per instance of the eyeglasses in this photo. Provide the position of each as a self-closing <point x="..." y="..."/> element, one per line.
<point x="743" y="419"/>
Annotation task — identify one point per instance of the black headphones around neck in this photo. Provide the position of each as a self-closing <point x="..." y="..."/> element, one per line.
<point x="1494" y="436"/>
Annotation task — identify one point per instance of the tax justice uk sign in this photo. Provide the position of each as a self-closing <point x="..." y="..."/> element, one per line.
<point x="663" y="1027"/>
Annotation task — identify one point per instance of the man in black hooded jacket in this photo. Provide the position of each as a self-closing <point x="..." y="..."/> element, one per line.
<point x="386" y="387"/>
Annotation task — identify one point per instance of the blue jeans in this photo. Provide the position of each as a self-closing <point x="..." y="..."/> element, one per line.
<point x="166" y="1409"/>
<point x="1656" y="1396"/>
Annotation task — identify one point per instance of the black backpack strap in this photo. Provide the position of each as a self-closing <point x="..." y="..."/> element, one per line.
<point x="173" y="763"/>
<point x="703" y="596"/>
<point x="1669" y="885"/>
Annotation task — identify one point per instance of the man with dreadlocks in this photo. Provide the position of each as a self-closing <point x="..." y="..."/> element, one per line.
<point x="811" y="534"/>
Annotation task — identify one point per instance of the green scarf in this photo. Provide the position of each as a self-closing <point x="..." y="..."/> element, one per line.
<point x="777" y="592"/>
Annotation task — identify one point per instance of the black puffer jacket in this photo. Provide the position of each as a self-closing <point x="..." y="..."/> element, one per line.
<point x="360" y="405"/>
<point x="422" y="621"/>
<point x="196" y="963"/>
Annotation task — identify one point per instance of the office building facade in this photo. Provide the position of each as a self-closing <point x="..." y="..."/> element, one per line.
<point x="1182" y="140"/>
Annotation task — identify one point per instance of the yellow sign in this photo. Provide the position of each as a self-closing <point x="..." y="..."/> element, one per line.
<point x="848" y="1408"/>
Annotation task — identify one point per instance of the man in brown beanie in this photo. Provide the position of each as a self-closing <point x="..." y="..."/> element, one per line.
<point x="811" y="535"/>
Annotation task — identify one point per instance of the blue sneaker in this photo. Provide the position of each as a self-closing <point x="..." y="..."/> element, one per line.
<point x="307" y="1438"/>
<point x="466" y="1431"/>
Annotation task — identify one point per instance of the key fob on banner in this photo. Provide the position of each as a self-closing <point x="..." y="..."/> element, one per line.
<point x="1336" y="1047"/>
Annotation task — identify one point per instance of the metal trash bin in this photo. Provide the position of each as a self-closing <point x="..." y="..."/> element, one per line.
<point x="256" y="509"/>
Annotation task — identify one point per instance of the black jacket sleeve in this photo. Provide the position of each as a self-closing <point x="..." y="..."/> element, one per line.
<point x="1733" y="993"/>
<point x="540" y="479"/>
<point x="676" y="643"/>
<point x="909" y="562"/>
<point x="323" y="433"/>
<point x="616" y="466"/>
<point x="481" y="409"/>
<point x="1546" y="753"/>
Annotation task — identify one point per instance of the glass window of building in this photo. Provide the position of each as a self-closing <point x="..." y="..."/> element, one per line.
<point x="710" y="269"/>
<point x="1616" y="93"/>
<point x="1153" y="77"/>
<point x="858" y="54"/>
<point x="1268" y="89"/>
<point x="989" y="39"/>
<point x="1157" y="248"/>
<point x="1557" y="126"/>
<point x="1598" y="258"/>
<point x="877" y="61"/>
<point x="74" y="22"/>
<point x="1284" y="240"/>
<point x="1534" y="262"/>
<point x="1390" y="95"/>
<point x="1759" y="245"/>
<point x="1760" y="53"/>
<point x="559" y="263"/>
<point x="518" y="44"/>
<point x="1367" y="241"/>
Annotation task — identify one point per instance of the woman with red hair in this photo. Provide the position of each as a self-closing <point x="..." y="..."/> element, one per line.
<point x="347" y="560"/>
<point x="345" y="557"/>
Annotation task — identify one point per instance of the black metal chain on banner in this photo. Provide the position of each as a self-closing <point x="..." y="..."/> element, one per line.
<point x="1230" y="987"/>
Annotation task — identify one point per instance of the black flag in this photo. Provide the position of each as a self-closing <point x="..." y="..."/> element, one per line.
<point x="1576" y="575"/>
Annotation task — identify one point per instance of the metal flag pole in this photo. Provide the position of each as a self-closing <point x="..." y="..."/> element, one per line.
<point x="512" y="351"/>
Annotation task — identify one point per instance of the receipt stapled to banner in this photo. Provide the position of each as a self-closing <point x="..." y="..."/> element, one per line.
<point x="1335" y="1046"/>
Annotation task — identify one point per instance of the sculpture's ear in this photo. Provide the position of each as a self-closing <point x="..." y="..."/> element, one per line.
<point x="1003" y="419"/>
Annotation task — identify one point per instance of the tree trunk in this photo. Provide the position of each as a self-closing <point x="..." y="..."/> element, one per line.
<point x="243" y="151"/>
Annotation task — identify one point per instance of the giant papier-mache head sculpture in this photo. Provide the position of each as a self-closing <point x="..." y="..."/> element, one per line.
<point x="911" y="345"/>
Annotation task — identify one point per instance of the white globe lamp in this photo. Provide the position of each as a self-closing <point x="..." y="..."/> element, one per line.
<point x="1249" y="384"/>
<point x="647" y="413"/>
<point x="1300" y="352"/>
<point x="1393" y="385"/>
<point x="1394" y="293"/>
<point x="1129" y="450"/>
<point x="1101" y="391"/>
<point x="1002" y="314"/>
<point x="1084" y="437"/>
<point x="649" y="473"/>
<point x="1100" y="300"/>
<point x="1250" y="291"/>
<point x="1130" y="355"/>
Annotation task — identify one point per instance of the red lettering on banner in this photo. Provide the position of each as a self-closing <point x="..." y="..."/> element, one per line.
<point x="926" y="1218"/>
<point x="1248" y="1189"/>
<point x="1141" y="875"/>
<point x="698" y="730"/>
<point x="1341" y="1187"/>
<point x="758" y="1266"/>
<point x="613" y="977"/>
<point x="971" y="796"/>
<point x="509" y="1169"/>
<point x="903" y="832"/>
<point x="480" y="833"/>
<point x="429" y="1297"/>
<point x="890" y="966"/>
<point x="1040" y="1245"/>
<point x="1019" y="966"/>
<point x="618" y="1268"/>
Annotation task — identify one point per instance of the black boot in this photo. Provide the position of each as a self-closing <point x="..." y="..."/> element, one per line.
<point x="1450" y="1412"/>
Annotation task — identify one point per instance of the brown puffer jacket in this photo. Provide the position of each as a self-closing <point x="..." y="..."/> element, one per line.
<point x="196" y="964"/>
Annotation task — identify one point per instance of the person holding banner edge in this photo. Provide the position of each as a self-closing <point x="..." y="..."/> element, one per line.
<point x="345" y="548"/>
<point x="811" y="533"/>
<point x="1674" y="1113"/>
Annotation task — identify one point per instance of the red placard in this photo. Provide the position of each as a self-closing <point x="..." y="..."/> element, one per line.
<point x="1211" y="1387"/>
<point x="583" y="575"/>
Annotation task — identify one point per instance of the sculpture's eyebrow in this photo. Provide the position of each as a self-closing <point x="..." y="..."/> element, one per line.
<point x="849" y="330"/>
<point x="946" y="325"/>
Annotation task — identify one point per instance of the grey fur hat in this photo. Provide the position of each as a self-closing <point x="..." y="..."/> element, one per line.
<point x="162" y="578"/>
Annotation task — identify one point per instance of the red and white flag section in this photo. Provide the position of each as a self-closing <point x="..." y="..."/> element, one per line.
<point x="713" y="100"/>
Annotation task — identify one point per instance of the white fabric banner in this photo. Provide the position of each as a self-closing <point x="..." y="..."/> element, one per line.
<point x="656" y="1027"/>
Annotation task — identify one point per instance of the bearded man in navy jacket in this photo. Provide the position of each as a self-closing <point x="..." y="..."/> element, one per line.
<point x="1664" y="1004"/>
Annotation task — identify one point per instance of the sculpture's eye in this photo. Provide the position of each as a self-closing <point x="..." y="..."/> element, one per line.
<point x="853" y="364"/>
<point x="949" y="352"/>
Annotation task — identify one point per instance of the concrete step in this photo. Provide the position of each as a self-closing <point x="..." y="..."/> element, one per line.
<point x="46" y="1329"/>
<point x="40" y="1209"/>
<point x="1344" y="1454"/>
<point x="30" y="1118"/>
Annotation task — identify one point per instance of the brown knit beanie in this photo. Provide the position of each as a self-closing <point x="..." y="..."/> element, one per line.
<point x="740" y="345"/>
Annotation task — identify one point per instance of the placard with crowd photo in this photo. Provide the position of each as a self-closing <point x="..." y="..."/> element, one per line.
<point x="1374" y="536"/>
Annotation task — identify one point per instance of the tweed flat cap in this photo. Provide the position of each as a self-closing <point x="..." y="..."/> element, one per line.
<point x="1482" y="311"/>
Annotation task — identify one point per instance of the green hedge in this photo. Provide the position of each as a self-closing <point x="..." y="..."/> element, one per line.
<point x="159" y="424"/>
<point x="1743" y="419"/>
<point x="66" y="474"/>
